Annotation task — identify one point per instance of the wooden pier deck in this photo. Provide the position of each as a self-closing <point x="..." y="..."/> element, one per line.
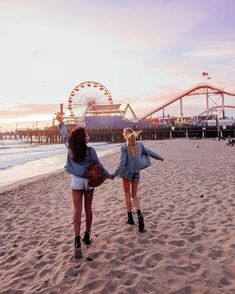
<point x="52" y="134"/>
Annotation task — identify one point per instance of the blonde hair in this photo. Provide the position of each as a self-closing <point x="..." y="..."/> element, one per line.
<point x="130" y="137"/>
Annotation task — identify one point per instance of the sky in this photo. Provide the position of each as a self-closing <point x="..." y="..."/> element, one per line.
<point x="144" y="52"/>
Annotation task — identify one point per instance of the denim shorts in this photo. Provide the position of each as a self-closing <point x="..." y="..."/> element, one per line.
<point x="79" y="183"/>
<point x="132" y="177"/>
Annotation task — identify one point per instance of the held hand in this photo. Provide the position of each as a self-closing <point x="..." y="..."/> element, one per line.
<point x="59" y="117"/>
<point x="112" y="177"/>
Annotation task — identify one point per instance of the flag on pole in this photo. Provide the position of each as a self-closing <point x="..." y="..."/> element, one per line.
<point x="205" y="74"/>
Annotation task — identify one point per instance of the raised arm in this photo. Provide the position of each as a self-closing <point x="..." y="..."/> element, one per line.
<point x="95" y="159"/>
<point x="152" y="154"/>
<point x="122" y="163"/>
<point x="63" y="129"/>
<point x="64" y="133"/>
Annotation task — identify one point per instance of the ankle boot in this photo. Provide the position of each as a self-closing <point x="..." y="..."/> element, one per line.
<point x="140" y="221"/>
<point x="77" y="247"/>
<point x="86" y="238"/>
<point x="130" y="218"/>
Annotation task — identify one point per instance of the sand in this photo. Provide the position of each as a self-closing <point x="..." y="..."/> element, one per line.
<point x="188" y="202"/>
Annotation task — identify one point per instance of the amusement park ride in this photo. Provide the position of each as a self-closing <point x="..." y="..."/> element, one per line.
<point x="92" y="99"/>
<point x="91" y="104"/>
<point x="215" y="106"/>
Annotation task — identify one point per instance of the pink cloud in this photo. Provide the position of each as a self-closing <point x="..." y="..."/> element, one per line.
<point x="24" y="110"/>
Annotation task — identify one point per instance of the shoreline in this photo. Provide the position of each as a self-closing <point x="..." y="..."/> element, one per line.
<point x="23" y="182"/>
<point x="29" y="180"/>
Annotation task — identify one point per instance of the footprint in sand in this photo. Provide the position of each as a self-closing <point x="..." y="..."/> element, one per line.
<point x="153" y="260"/>
<point x="216" y="254"/>
<point x="174" y="255"/>
<point x="40" y="255"/>
<point x="52" y="255"/>
<point x="130" y="279"/>
<point x="191" y="268"/>
<point x="200" y="249"/>
<point x="39" y="265"/>
<point x="158" y="241"/>
<point x="184" y="290"/>
<point x="202" y="210"/>
<point x="178" y="243"/>
<point x="43" y="285"/>
<point x="225" y="281"/>
<point x="66" y="248"/>
<point x="120" y="240"/>
<point x="232" y="246"/>
<point x="195" y="238"/>
<point x="139" y="259"/>
<point x="109" y="255"/>
<point x="95" y="285"/>
<point x="71" y="272"/>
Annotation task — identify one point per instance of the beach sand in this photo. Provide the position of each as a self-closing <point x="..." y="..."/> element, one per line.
<point x="188" y="202"/>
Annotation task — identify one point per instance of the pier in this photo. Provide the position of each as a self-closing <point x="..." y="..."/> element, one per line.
<point x="52" y="135"/>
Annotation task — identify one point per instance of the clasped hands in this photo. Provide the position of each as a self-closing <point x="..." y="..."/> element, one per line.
<point x="112" y="177"/>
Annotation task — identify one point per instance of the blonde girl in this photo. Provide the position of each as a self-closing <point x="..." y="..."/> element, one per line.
<point x="131" y="162"/>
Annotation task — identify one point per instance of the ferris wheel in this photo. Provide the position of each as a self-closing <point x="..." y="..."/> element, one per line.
<point x="85" y="96"/>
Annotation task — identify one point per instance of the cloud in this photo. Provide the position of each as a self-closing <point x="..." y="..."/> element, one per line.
<point x="133" y="47"/>
<point x="212" y="53"/>
<point x="25" y="110"/>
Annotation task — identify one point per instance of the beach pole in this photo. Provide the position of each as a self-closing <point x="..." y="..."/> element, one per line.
<point x="218" y="129"/>
<point x="203" y="132"/>
<point x="207" y="103"/>
<point x="223" y="112"/>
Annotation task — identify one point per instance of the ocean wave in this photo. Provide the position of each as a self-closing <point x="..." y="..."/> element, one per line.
<point x="18" y="156"/>
<point x="29" y="149"/>
<point x="18" y="159"/>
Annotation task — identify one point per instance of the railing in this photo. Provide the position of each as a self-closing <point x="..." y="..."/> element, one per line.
<point x="52" y="135"/>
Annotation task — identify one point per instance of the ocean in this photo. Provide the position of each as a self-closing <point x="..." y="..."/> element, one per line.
<point x="20" y="160"/>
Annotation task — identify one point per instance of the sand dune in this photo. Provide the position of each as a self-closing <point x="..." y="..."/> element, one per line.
<point x="188" y="202"/>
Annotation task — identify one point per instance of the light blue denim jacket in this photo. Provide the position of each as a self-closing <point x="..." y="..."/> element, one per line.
<point x="80" y="169"/>
<point x="129" y="165"/>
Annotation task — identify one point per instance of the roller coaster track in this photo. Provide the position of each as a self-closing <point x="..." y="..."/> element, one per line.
<point x="215" y="108"/>
<point x="200" y="89"/>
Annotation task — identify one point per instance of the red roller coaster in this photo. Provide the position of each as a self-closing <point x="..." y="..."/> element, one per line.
<point x="212" y="93"/>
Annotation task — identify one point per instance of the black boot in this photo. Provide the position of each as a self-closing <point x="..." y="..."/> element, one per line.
<point x="130" y="220"/>
<point x="86" y="238"/>
<point x="77" y="247"/>
<point x="140" y="220"/>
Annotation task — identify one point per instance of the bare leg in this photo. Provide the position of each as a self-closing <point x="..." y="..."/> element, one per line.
<point x="77" y="203"/>
<point x="134" y="194"/>
<point x="88" y="208"/>
<point x="126" y="187"/>
<point x="126" y="184"/>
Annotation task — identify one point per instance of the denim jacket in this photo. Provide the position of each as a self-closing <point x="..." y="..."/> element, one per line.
<point x="129" y="165"/>
<point x="80" y="169"/>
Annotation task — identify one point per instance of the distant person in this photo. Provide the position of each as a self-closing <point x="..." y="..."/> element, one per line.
<point x="78" y="160"/>
<point x="132" y="160"/>
<point x="231" y="141"/>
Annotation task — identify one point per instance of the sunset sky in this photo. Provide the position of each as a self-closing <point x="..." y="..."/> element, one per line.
<point x="142" y="51"/>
